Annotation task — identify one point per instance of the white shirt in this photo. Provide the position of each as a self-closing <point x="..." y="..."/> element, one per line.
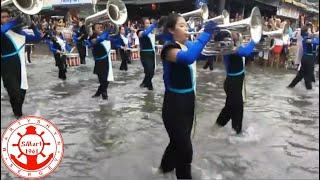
<point x="62" y="43"/>
<point x="286" y="39"/>
<point x="124" y="38"/>
<point x="278" y="42"/>
<point x="133" y="39"/>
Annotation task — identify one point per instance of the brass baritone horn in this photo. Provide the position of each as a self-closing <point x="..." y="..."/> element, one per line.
<point x="30" y="7"/>
<point x="265" y="42"/>
<point x="254" y="22"/>
<point x="224" y="18"/>
<point x="116" y="12"/>
<point x="228" y="46"/>
<point x="277" y="32"/>
<point x="202" y="12"/>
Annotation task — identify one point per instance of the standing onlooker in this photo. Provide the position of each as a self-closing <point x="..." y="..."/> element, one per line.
<point x="277" y="45"/>
<point x="133" y="39"/>
<point x="286" y="43"/>
<point x="123" y="49"/>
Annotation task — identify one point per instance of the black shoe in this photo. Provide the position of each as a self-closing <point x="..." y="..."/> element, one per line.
<point x="150" y="88"/>
<point x="239" y="132"/>
<point x="142" y="85"/>
<point x="164" y="171"/>
<point x="18" y="115"/>
<point x="104" y="95"/>
<point x="290" y="86"/>
<point x="97" y="94"/>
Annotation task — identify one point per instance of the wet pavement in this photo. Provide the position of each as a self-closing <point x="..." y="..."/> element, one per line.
<point x="124" y="138"/>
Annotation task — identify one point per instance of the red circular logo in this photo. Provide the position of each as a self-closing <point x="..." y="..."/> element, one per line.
<point x="32" y="147"/>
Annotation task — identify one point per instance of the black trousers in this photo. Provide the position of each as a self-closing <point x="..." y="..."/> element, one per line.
<point x="306" y="72"/>
<point x="148" y="63"/>
<point x="124" y="60"/>
<point x="233" y="108"/>
<point x="11" y="76"/>
<point x="178" y="115"/>
<point x="313" y="78"/>
<point x="28" y="50"/>
<point x="103" y="84"/>
<point x="62" y="65"/>
<point x="209" y="64"/>
<point x="82" y="52"/>
<point x="101" y="69"/>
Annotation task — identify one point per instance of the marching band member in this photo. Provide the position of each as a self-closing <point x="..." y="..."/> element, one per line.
<point x="311" y="33"/>
<point x="209" y="63"/>
<point x="28" y="51"/>
<point x="13" y="67"/>
<point x="28" y="47"/>
<point x="79" y="38"/>
<point x="178" y="56"/>
<point x="59" y="47"/>
<point x="123" y="46"/>
<point x="235" y="69"/>
<point x="306" y="70"/>
<point x="100" y="50"/>
<point x="147" y="52"/>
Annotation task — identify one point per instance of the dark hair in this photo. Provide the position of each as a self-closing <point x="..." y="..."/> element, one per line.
<point x="170" y="21"/>
<point x="269" y="26"/>
<point x="5" y="10"/>
<point x="162" y="21"/>
<point x="144" y="19"/>
<point x="220" y="36"/>
<point x="81" y="19"/>
<point x="135" y="26"/>
<point x="121" y="27"/>
<point x="309" y="23"/>
<point x="94" y="26"/>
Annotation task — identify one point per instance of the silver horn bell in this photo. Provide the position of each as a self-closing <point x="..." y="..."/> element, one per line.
<point x="116" y="13"/>
<point x="30" y="7"/>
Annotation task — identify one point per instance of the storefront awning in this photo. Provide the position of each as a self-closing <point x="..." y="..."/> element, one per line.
<point x="299" y="4"/>
<point x="274" y="3"/>
<point x="289" y="11"/>
<point x="147" y="1"/>
<point x="288" y="1"/>
<point x="139" y="2"/>
<point x="312" y="10"/>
